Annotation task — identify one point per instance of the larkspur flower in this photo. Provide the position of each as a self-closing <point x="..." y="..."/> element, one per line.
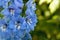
<point x="17" y="23"/>
<point x="20" y="21"/>
<point x="4" y="32"/>
<point x="31" y="5"/>
<point x="11" y="10"/>
<point x="13" y="25"/>
<point x="30" y="23"/>
<point x="30" y="12"/>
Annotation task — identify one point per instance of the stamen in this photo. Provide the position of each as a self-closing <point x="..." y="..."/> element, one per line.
<point x="11" y="11"/>
<point x="3" y="27"/>
<point x="17" y="25"/>
<point x="29" y="21"/>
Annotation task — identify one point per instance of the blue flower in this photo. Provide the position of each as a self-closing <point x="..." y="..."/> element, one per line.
<point x="4" y="3"/>
<point x="19" y="3"/>
<point x="4" y="32"/>
<point x="21" y="21"/>
<point x="17" y="23"/>
<point x="12" y="10"/>
<point x="13" y="25"/>
<point x="31" y="22"/>
<point x="15" y="9"/>
<point x="31" y="5"/>
<point x="11" y="33"/>
<point x="30" y="18"/>
<point x="27" y="37"/>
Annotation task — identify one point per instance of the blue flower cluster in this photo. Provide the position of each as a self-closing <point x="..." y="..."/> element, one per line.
<point x="12" y="25"/>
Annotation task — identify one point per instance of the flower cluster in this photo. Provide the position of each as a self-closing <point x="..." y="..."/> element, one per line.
<point x="14" y="26"/>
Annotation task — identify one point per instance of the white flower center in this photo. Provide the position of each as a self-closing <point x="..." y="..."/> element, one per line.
<point x="17" y="25"/>
<point x="12" y="12"/>
<point x="3" y="28"/>
<point x="29" y="21"/>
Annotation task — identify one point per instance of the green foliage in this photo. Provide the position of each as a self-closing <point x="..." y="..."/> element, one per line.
<point x="1" y="16"/>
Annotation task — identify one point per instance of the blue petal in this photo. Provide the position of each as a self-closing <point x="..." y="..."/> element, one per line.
<point x="19" y="3"/>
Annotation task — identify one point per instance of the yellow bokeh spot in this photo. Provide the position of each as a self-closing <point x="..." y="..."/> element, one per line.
<point x="47" y="13"/>
<point x="55" y="17"/>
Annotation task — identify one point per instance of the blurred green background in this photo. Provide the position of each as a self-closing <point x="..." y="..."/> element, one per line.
<point x="48" y="25"/>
